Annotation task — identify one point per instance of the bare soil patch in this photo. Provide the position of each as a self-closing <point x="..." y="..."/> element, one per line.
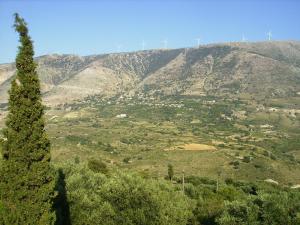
<point x="194" y="147"/>
<point x="198" y="147"/>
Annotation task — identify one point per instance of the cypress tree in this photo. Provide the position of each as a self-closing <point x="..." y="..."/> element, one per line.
<point x="27" y="181"/>
<point x="170" y="171"/>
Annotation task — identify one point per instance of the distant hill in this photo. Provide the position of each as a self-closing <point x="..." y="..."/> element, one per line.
<point x="262" y="69"/>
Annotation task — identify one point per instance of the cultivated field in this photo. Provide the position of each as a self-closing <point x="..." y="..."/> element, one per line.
<point x="207" y="136"/>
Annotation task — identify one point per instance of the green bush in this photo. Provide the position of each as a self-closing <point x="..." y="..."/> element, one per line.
<point x="247" y="159"/>
<point x="123" y="199"/>
<point x="235" y="164"/>
<point x="126" y="159"/>
<point x="77" y="159"/>
<point x="279" y="207"/>
<point x="239" y="213"/>
<point x="129" y="199"/>
<point x="97" y="166"/>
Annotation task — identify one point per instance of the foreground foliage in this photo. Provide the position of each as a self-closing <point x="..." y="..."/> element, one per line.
<point x="238" y="203"/>
<point x="26" y="180"/>
<point x="124" y="198"/>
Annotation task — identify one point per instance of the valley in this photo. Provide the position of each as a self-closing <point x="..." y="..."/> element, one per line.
<point x="225" y="110"/>
<point x="242" y="139"/>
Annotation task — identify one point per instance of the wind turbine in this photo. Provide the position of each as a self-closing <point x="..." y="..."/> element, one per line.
<point x="143" y="45"/>
<point x="198" y="42"/>
<point x="244" y="38"/>
<point x="119" y="46"/>
<point x="269" y="35"/>
<point x="165" y="42"/>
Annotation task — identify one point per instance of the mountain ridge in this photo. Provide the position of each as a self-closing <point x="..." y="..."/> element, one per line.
<point x="264" y="68"/>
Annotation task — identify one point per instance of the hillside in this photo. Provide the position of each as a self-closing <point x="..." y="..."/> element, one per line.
<point x="265" y="69"/>
<point x="229" y="110"/>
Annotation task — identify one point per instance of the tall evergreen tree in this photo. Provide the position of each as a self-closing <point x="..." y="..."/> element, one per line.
<point x="170" y="171"/>
<point x="27" y="181"/>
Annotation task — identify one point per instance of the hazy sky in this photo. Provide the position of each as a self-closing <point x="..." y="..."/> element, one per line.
<point x="87" y="27"/>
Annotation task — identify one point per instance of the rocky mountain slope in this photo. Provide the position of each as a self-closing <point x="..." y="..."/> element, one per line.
<point x="264" y="68"/>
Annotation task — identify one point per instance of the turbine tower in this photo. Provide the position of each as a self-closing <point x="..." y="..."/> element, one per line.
<point x="198" y="42"/>
<point x="244" y="38"/>
<point x="119" y="46"/>
<point x="143" y="45"/>
<point x="165" y="43"/>
<point x="269" y="35"/>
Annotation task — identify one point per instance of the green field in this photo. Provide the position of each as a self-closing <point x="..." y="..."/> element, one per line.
<point x="250" y="144"/>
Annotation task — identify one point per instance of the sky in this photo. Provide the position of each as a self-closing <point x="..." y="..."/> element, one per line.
<point x="87" y="27"/>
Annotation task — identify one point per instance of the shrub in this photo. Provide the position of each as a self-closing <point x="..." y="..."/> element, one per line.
<point x="97" y="166"/>
<point x="273" y="157"/>
<point x="123" y="199"/>
<point x="126" y="159"/>
<point x="239" y="213"/>
<point x="77" y="159"/>
<point x="235" y="164"/>
<point x="247" y="159"/>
